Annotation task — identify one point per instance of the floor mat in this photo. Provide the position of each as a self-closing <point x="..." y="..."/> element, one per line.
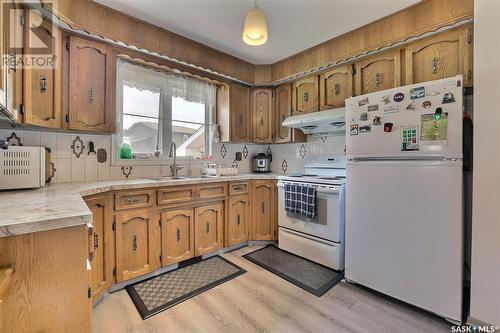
<point x="166" y="290"/>
<point x="315" y="278"/>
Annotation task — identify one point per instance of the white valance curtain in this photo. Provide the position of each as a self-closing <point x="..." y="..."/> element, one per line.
<point x="144" y="78"/>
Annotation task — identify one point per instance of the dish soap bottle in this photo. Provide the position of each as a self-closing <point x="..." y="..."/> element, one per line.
<point x="125" y="149"/>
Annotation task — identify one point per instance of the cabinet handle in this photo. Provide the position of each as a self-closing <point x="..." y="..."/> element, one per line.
<point x="238" y="220"/>
<point x="306" y="96"/>
<point x="261" y="121"/>
<point x="241" y="119"/>
<point x="207" y="227"/>
<point x="178" y="232"/>
<point x="337" y="89"/>
<point x="263" y="207"/>
<point x="238" y="188"/>
<point x="377" y="79"/>
<point x="134" y="243"/>
<point x="96" y="241"/>
<point x="434" y="66"/>
<point x="132" y="200"/>
<point x="43" y="84"/>
<point x="91" y="95"/>
<point x="12" y="62"/>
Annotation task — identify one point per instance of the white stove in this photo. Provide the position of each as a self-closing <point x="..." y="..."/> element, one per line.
<point x="320" y="239"/>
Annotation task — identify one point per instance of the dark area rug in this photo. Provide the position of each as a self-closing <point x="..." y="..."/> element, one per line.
<point x="308" y="275"/>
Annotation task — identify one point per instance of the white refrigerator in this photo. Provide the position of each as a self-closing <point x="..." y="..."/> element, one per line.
<point x="404" y="232"/>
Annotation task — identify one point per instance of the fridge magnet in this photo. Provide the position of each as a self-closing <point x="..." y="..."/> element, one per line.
<point x="391" y="109"/>
<point x="418" y="92"/>
<point x="448" y="98"/>
<point x="386" y="99"/>
<point x="363" y="116"/>
<point x="426" y="104"/>
<point x="363" y="101"/>
<point x="388" y="127"/>
<point x="398" y="97"/>
<point x="411" y="106"/>
<point x="409" y="138"/>
<point x="432" y="93"/>
<point x="373" y="107"/>
<point x="365" y="129"/>
<point x="354" y="129"/>
<point x="433" y="131"/>
<point x="376" y="121"/>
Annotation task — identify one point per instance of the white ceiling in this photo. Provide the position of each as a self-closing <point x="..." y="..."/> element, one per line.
<point x="293" y="25"/>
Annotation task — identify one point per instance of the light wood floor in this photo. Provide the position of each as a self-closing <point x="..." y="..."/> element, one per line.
<point x="259" y="301"/>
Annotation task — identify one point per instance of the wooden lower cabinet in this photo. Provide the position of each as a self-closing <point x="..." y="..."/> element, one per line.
<point x="102" y="260"/>
<point x="264" y="217"/>
<point x="136" y="240"/>
<point x="177" y="235"/>
<point x="238" y="222"/>
<point x="49" y="287"/>
<point x="208" y="230"/>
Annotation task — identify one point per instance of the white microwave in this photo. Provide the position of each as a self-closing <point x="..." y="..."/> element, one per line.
<point x="23" y="167"/>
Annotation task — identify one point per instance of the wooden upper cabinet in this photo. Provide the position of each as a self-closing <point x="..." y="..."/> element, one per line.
<point x="262" y="113"/>
<point x="442" y="56"/>
<point x="177" y="235"/>
<point x="305" y="95"/>
<point x="335" y="86"/>
<point x="378" y="72"/>
<point x="103" y="244"/>
<point x="283" y="110"/>
<point x="135" y="243"/>
<point x="240" y="114"/>
<point x="209" y="222"/>
<point x="239" y="217"/>
<point x="264" y="218"/>
<point x="91" y="86"/>
<point x="42" y="86"/>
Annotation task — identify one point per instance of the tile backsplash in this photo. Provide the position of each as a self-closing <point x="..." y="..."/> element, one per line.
<point x="73" y="162"/>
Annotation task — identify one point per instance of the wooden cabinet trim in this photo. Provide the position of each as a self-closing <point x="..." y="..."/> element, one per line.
<point x="134" y="199"/>
<point x="211" y="190"/>
<point x="236" y="188"/>
<point x="175" y="194"/>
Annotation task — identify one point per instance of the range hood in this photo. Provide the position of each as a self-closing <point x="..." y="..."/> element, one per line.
<point x="322" y="123"/>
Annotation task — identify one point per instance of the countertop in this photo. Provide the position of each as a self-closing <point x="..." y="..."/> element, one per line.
<point x="61" y="205"/>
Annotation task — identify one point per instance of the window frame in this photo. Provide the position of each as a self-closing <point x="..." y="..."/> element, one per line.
<point x="165" y="117"/>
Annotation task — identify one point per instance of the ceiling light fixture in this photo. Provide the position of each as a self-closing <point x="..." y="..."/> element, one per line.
<point x="255" y="28"/>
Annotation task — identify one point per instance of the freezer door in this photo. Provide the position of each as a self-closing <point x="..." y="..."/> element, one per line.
<point x="412" y="112"/>
<point x="404" y="232"/>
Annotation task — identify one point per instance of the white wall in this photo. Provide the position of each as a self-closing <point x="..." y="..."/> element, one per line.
<point x="485" y="279"/>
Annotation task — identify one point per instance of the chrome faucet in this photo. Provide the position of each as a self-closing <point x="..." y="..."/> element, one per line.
<point x="174" y="168"/>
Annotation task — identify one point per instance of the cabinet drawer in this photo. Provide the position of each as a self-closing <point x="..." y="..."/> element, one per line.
<point x="175" y="194"/>
<point x="208" y="191"/>
<point x="135" y="199"/>
<point x="236" y="188"/>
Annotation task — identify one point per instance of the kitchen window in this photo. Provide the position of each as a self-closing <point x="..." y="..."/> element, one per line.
<point x="156" y="108"/>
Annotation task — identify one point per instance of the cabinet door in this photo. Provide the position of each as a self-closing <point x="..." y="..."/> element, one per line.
<point x="264" y="217"/>
<point x="241" y="126"/>
<point x="439" y="57"/>
<point x="177" y="235"/>
<point x="262" y="112"/>
<point x="237" y="226"/>
<point x="335" y="87"/>
<point x="91" y="86"/>
<point x="209" y="221"/>
<point x="283" y="110"/>
<point x="380" y="72"/>
<point x="305" y="95"/>
<point x="102" y="261"/>
<point x="134" y="243"/>
<point x="42" y="86"/>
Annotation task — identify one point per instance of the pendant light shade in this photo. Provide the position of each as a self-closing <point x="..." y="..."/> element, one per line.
<point x="255" y="29"/>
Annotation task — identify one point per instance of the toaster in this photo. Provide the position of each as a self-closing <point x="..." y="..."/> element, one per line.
<point x="23" y="167"/>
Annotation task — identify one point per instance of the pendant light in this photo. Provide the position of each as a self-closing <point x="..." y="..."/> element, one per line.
<point x="255" y="28"/>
